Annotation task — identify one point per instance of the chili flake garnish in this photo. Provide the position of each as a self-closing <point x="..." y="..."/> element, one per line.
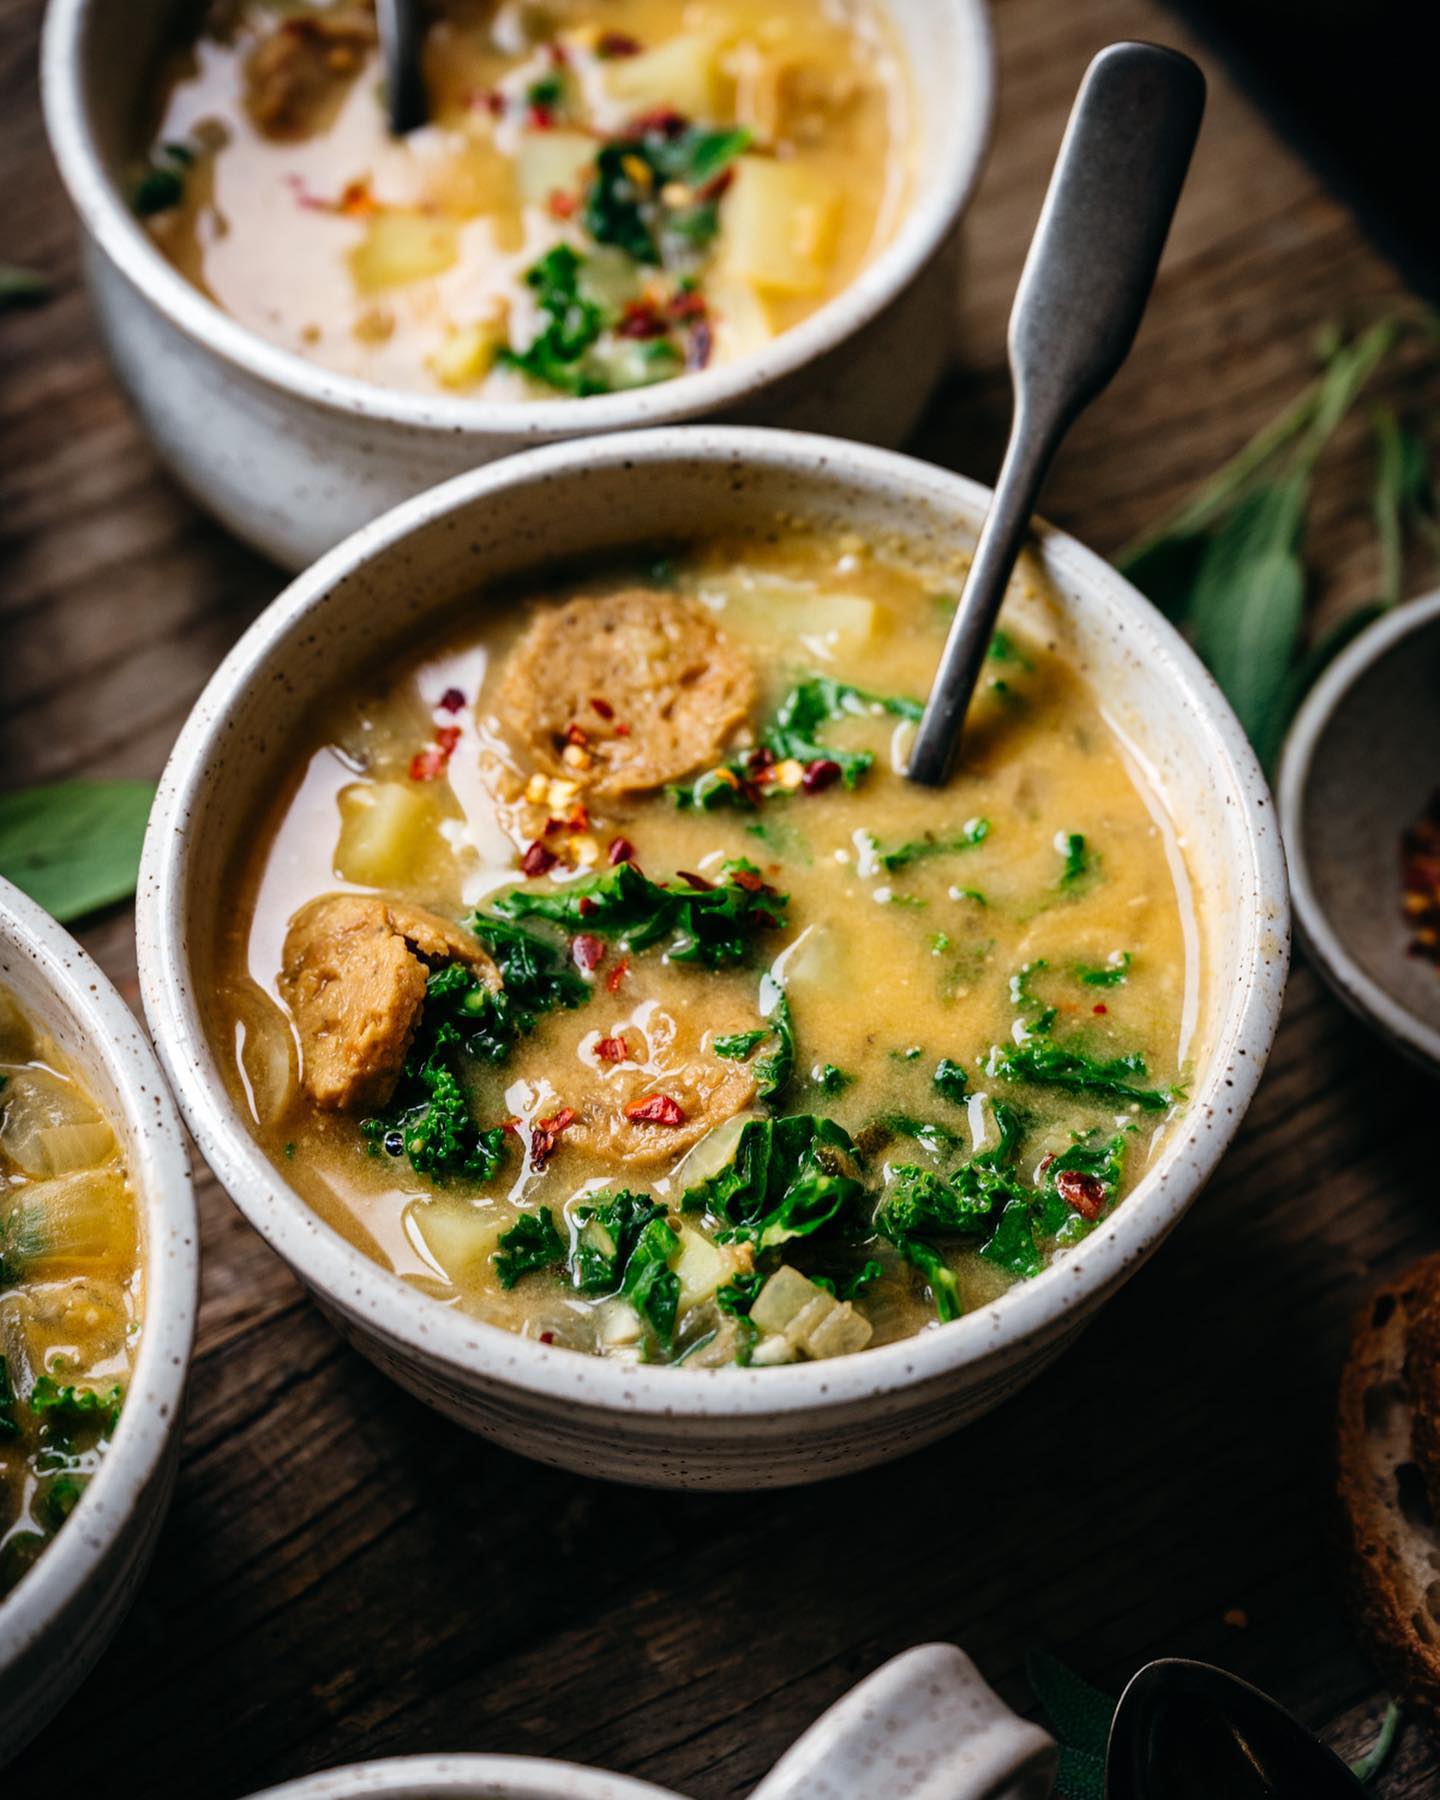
<point x="429" y="764"/>
<point x="655" y="1109"/>
<point x="1086" y="1193"/>
<point x="561" y="205"/>
<point x="575" y="734"/>
<point x="621" y="850"/>
<point x="695" y="881"/>
<point x="1420" y="879"/>
<point x="538" y="860"/>
<point x="451" y="700"/>
<point x="749" y="879"/>
<point x="545" y="1135"/>
<point x="603" y="707"/>
<point x="622" y="730"/>
<point x="589" y="952"/>
<point x="617" y="975"/>
<point x="1100" y="1007"/>
<point x="819" y="775"/>
<point x="612" y="44"/>
<point x="641" y="319"/>
<point x="612" y="1050"/>
<point x="547" y="1337"/>
<point x="586" y="906"/>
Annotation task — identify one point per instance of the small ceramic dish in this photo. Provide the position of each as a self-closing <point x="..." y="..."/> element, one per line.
<point x="1359" y="768"/>
<point x="292" y="457"/>
<point x="925" y="1726"/>
<point x="62" y="1614"/>
<point x="411" y="570"/>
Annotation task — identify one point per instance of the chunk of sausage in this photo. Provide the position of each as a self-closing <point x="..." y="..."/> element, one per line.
<point x="296" y="76"/>
<point x="353" y="975"/>
<point x="617" y="1119"/>
<point x="640" y="687"/>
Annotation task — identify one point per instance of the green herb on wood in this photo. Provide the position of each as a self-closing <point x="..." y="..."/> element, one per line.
<point x="74" y="846"/>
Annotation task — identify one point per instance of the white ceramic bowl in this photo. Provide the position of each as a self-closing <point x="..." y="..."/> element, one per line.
<point x="56" y="1622"/>
<point x="925" y="1726"/>
<point x="1360" y="765"/>
<point x="292" y="457"/>
<point x="727" y="1428"/>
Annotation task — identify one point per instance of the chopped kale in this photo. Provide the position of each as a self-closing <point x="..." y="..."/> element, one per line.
<point x="739" y="1044"/>
<point x="1110" y="974"/>
<point x="162" y="182"/>
<point x="944" y="1288"/>
<point x="531" y="1244"/>
<point x="650" y="1285"/>
<point x="788" y="1178"/>
<point x="1057" y="1065"/>
<point x="1012" y="1247"/>
<point x="60" y="1498"/>
<point x="951" y="1082"/>
<point x="1079" y="863"/>
<point x="712" y="926"/>
<point x="853" y="1286"/>
<point x="648" y="197"/>
<point x="76" y="1405"/>
<point x="1035" y="1018"/>
<point x="571" y="325"/>
<point x="1003" y="649"/>
<point x="773" y="1072"/>
<point x="429" y="1119"/>
<point x="831" y="1080"/>
<point x="538" y="977"/>
<point x="609" y="1230"/>
<point x="971" y="834"/>
<point x="740" y="1293"/>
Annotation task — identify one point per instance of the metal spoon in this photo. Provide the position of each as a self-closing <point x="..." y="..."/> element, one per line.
<point x="1188" y="1731"/>
<point x="400" y="41"/>
<point x="1086" y="279"/>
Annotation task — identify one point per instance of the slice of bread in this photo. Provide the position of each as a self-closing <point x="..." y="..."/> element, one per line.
<point x="1389" y="1483"/>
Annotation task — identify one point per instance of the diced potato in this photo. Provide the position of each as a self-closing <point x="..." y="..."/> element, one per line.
<point x="781" y="1298"/>
<point x="468" y="354"/>
<point x="76" y="1223"/>
<point x="387" y="828"/>
<point x="458" y="1235"/>
<point x="781" y="223"/>
<point x="702" y="1267"/>
<point x="810" y="1317"/>
<point x="682" y="75"/>
<point x="70" y="1147"/>
<point x="32" y="1103"/>
<point x="840" y="1333"/>
<point x="619" y="1325"/>
<point x="467" y="182"/>
<point x="743" y="322"/>
<point x="553" y="162"/>
<point x="400" y="247"/>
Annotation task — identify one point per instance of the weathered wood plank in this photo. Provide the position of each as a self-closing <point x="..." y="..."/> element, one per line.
<point x="345" y="1574"/>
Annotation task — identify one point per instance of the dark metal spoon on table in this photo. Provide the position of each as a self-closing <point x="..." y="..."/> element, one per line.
<point x="1188" y="1731"/>
<point x="1086" y="279"/>
<point x="401" y="38"/>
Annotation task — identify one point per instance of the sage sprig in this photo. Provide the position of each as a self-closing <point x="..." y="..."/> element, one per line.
<point x="74" y="846"/>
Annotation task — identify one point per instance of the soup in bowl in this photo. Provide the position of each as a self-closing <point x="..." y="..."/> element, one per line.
<point x="570" y="963"/>
<point x="621" y="215"/>
<point x="97" y="1311"/>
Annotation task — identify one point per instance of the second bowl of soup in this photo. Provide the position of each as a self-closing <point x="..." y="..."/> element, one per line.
<point x="617" y="214"/>
<point x="569" y="954"/>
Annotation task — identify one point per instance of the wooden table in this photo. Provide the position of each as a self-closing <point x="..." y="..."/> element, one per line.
<point x="346" y="1575"/>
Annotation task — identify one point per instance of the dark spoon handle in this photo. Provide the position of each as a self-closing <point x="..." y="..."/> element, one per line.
<point x="1089" y="272"/>
<point x="400" y="40"/>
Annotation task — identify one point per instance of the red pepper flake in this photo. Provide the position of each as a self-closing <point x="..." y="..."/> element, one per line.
<point x="621" y="850"/>
<point x="547" y="1337"/>
<point x="688" y="303"/>
<point x="641" y="319"/>
<point x="750" y="879"/>
<point x="489" y="100"/>
<point x="586" y="906"/>
<point x="537" y="860"/>
<point x="617" y="975"/>
<point x="695" y="881"/>
<point x="1086" y="1193"/>
<point x="588" y="951"/>
<point x="429" y="764"/>
<point x="579" y="819"/>
<point x="561" y="205"/>
<point x="512" y="1125"/>
<point x="612" y="44"/>
<point x="603" y="707"/>
<point x="613" y="1050"/>
<point x="1100" y="1007"/>
<point x="558" y="53"/>
<point x="541" y="118"/>
<point x="655" y="1109"/>
<point x="759" y="760"/>
<point x="622" y="730"/>
<point x="545" y="1135"/>
<point x="819" y="775"/>
<point x="575" y="734"/>
<point x="660" y="121"/>
<point x="552" y="825"/>
<point x="451" y="700"/>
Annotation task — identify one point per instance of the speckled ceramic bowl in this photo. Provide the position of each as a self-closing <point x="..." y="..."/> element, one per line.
<point x="1360" y="766"/>
<point x="923" y="1727"/>
<point x="292" y="457"/>
<point x="410" y="570"/>
<point x="63" y="1613"/>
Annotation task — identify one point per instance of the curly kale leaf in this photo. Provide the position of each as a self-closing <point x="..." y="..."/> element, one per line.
<point x="69" y="1406"/>
<point x="609" y="1231"/>
<point x="627" y="203"/>
<point x="531" y="1245"/>
<point x="649" y="1283"/>
<point x="1043" y="1064"/>
<point x="788" y="1178"/>
<point x="570" y="327"/>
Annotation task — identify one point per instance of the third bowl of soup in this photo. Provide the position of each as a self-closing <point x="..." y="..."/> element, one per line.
<point x="557" y="966"/>
<point x="618" y="213"/>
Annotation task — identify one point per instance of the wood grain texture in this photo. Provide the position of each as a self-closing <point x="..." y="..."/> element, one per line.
<point x="346" y="1575"/>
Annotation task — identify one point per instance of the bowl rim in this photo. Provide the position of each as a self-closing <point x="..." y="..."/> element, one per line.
<point x="455" y="1777"/>
<point x="1346" y="976"/>
<point x="413" y="1322"/>
<point x="159" y="1171"/>
<point x="942" y="194"/>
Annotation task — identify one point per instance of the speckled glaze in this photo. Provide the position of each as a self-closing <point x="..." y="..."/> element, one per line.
<point x="1360" y="765"/>
<point x="690" y="1427"/>
<point x="54" y="1625"/>
<point x="293" y="458"/>
<point x="925" y="1726"/>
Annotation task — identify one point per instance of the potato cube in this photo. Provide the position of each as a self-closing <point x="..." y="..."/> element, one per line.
<point x="840" y="1333"/>
<point x="781" y="224"/>
<point x="781" y="1298"/>
<point x="387" y="829"/>
<point x="553" y="162"/>
<point x="401" y="247"/>
<point x="458" y="1235"/>
<point x="681" y="76"/>
<point x="702" y="1267"/>
<point x="468" y="354"/>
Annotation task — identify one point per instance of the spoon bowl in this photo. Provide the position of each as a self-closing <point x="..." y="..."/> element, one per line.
<point x="1189" y="1731"/>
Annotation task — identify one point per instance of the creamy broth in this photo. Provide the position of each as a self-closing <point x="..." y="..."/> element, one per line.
<point x="70" y="1290"/>
<point x="610" y="192"/>
<point x="990" y="990"/>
